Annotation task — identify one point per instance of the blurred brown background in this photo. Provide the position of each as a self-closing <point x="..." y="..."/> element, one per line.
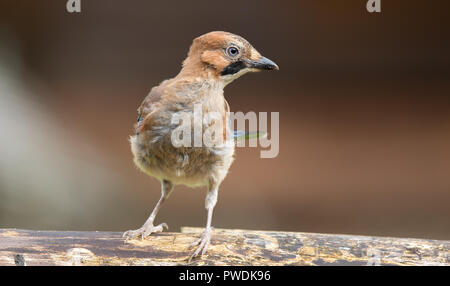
<point x="364" y="102"/>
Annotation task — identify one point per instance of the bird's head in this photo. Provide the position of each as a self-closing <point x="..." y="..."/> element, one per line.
<point x="225" y="57"/>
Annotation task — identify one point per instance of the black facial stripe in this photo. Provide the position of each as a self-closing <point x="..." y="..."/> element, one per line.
<point x="233" y="68"/>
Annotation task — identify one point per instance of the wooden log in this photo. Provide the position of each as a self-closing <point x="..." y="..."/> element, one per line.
<point x="228" y="247"/>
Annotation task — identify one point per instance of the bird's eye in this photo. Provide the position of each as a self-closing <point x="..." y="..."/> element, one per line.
<point x="232" y="51"/>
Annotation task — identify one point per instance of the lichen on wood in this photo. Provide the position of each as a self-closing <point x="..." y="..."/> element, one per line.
<point x="228" y="247"/>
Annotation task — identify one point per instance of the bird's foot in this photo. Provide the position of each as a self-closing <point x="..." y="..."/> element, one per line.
<point x="144" y="231"/>
<point x="202" y="243"/>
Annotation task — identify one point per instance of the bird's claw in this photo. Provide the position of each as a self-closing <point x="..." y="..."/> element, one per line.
<point x="202" y="242"/>
<point x="144" y="231"/>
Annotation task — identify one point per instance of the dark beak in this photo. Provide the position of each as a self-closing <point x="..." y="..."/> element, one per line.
<point x="263" y="64"/>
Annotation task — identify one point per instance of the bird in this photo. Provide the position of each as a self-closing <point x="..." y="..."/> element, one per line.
<point x="214" y="60"/>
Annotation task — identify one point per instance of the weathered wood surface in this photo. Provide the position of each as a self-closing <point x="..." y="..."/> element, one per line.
<point x="228" y="247"/>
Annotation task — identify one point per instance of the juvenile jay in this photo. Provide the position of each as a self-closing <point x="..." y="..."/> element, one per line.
<point x="214" y="60"/>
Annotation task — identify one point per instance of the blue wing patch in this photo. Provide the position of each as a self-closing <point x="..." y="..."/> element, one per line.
<point x="139" y="121"/>
<point x="244" y="135"/>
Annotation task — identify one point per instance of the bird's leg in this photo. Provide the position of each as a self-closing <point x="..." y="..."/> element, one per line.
<point x="203" y="241"/>
<point x="148" y="227"/>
